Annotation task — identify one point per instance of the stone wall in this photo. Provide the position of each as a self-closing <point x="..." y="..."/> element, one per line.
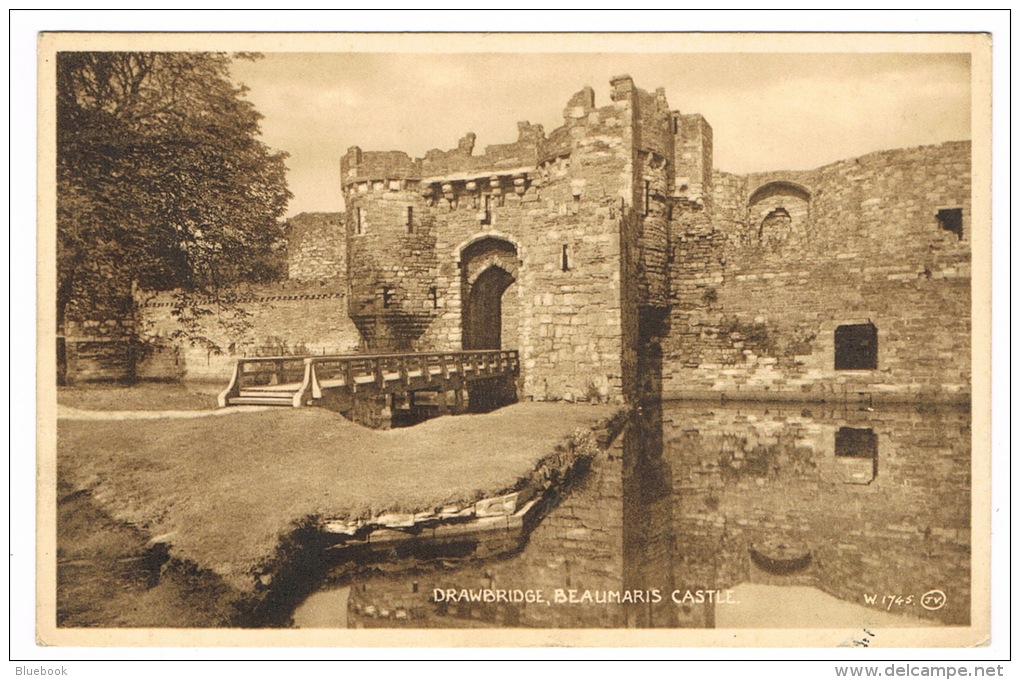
<point x="96" y="341"/>
<point x="316" y="247"/>
<point x="369" y="166"/>
<point x="617" y="217"/>
<point x="693" y="159"/>
<point x="391" y="262"/>
<point x="97" y="350"/>
<point x="762" y="284"/>
<point x="286" y="318"/>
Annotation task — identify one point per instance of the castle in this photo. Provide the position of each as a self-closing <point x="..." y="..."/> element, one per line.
<point x="612" y="240"/>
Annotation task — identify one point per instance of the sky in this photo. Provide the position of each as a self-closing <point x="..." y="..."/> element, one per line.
<point x="768" y="111"/>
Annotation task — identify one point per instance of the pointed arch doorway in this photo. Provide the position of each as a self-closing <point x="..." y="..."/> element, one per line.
<point x="489" y="316"/>
<point x="483" y="327"/>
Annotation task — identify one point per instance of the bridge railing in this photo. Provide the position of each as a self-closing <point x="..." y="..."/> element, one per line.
<point x="355" y="371"/>
<point x="295" y="375"/>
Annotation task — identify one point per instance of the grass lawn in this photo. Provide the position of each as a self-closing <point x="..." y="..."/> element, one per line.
<point x="144" y="396"/>
<point x="228" y="488"/>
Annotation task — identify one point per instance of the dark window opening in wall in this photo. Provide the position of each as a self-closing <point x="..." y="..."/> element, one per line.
<point x="776" y="221"/>
<point x="647" y="198"/>
<point x="565" y="257"/>
<point x="487" y="210"/>
<point x="857" y="449"/>
<point x="387" y="297"/>
<point x="951" y="219"/>
<point x="410" y="220"/>
<point x="856" y="347"/>
<point x="676" y="125"/>
<point x="358" y="217"/>
<point x="434" y="296"/>
<point x="856" y="442"/>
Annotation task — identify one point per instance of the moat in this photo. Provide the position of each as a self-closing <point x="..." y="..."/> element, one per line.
<point x="708" y="515"/>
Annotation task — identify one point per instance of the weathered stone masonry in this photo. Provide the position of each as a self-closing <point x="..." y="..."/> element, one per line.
<point x="558" y="240"/>
<point x="581" y="246"/>
<point x="305" y="313"/>
<point x="316" y="247"/>
<point x="763" y="284"/>
<point x="614" y="230"/>
<point x="284" y="318"/>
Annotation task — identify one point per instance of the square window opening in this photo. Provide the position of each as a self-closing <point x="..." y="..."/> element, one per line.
<point x="951" y="219"/>
<point x="856" y="347"/>
<point x="856" y="442"/>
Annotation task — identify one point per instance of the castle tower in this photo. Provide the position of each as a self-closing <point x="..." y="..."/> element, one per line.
<point x="557" y="246"/>
<point x="391" y="258"/>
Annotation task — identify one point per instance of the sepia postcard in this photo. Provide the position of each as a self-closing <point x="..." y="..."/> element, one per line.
<point x="498" y="340"/>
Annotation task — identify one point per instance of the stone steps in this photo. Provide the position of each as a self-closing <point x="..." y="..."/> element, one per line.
<point x="262" y="400"/>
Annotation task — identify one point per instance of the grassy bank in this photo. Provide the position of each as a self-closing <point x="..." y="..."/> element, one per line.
<point x="107" y="577"/>
<point x="225" y="490"/>
<point x="140" y="397"/>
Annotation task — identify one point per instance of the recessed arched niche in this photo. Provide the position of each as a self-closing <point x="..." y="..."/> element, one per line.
<point x="778" y="211"/>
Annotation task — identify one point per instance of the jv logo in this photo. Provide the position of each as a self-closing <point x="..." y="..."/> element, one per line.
<point x="933" y="600"/>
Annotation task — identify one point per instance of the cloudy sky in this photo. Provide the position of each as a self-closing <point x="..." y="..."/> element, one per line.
<point x="768" y="111"/>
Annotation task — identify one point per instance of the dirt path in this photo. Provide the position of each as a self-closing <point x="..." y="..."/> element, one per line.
<point x="71" y="413"/>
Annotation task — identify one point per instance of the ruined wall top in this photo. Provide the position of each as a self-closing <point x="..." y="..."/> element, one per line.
<point x="652" y="122"/>
<point x="523" y="152"/>
<point x="357" y="165"/>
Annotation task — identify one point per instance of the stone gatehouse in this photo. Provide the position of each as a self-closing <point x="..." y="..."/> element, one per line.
<point x="580" y="246"/>
<point x="613" y="240"/>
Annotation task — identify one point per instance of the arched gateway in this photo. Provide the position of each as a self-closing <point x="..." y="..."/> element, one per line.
<point x="490" y="313"/>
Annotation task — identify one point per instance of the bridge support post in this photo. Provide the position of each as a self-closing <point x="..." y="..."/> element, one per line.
<point x="460" y="400"/>
<point x="441" y="403"/>
<point x="386" y="412"/>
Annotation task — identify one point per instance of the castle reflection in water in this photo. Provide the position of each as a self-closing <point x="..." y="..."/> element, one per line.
<point x="840" y="503"/>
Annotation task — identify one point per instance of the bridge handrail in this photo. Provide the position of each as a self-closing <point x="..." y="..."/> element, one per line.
<point x="237" y="379"/>
<point x="352" y="366"/>
<point x="376" y="366"/>
<point x="233" y="389"/>
<point x="318" y="358"/>
<point x="306" y="383"/>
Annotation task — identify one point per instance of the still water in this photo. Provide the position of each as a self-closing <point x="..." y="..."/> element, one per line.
<point x="718" y="516"/>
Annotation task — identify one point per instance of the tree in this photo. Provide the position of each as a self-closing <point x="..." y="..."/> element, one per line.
<point x="162" y="179"/>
